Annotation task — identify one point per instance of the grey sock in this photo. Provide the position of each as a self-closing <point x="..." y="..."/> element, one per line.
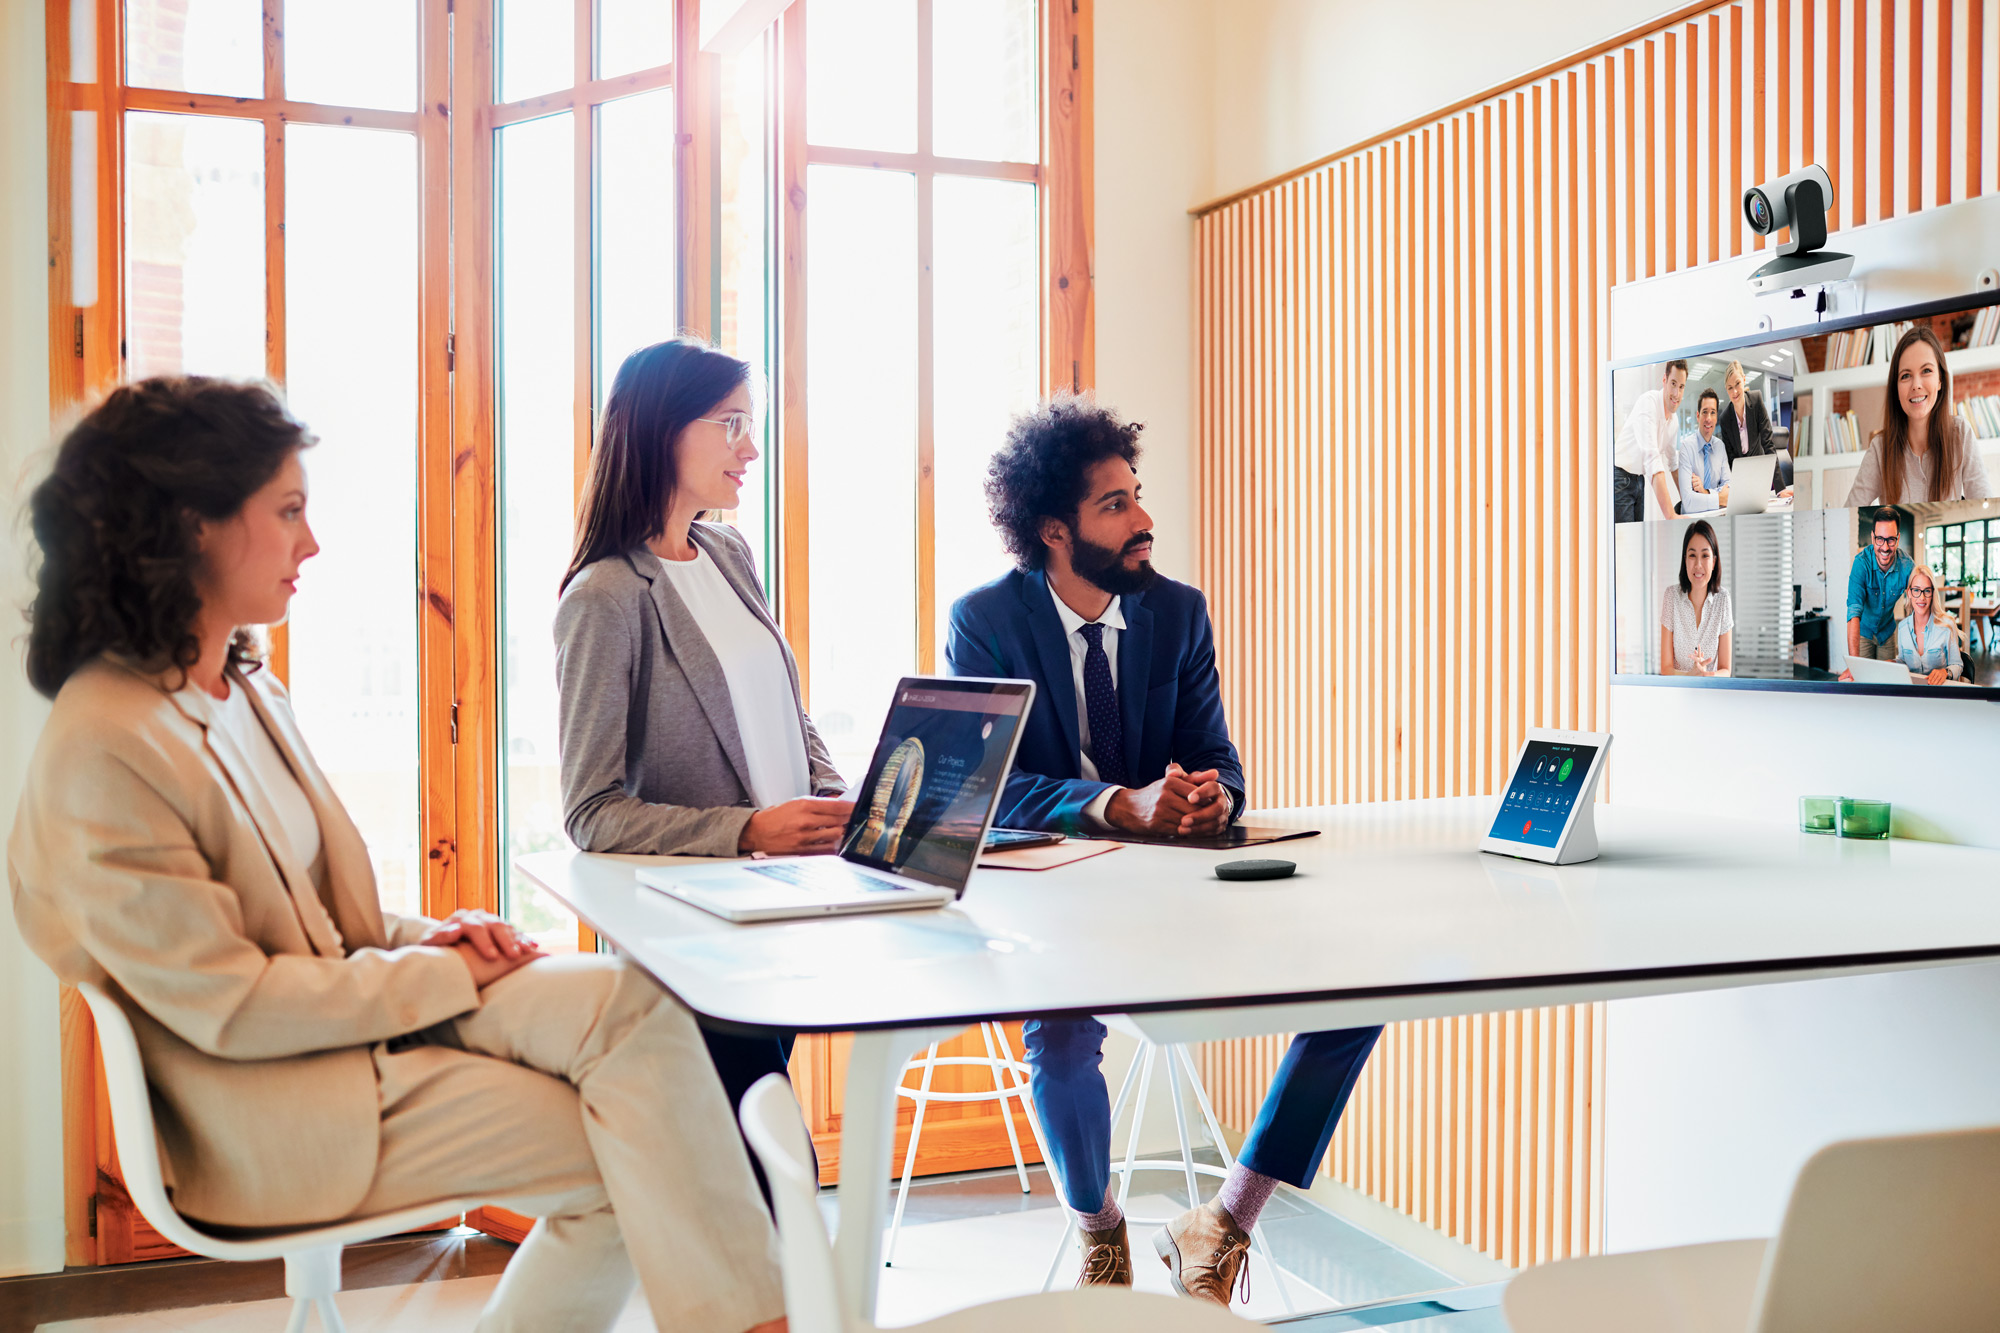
<point x="1105" y="1218"/>
<point x="1244" y="1193"/>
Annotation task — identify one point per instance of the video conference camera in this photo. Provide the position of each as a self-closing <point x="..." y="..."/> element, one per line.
<point x="1798" y="201"/>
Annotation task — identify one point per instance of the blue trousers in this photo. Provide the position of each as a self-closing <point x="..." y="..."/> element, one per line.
<point x="1286" y="1143"/>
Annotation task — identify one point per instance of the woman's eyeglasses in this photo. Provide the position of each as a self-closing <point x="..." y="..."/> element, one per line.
<point x="734" y="426"/>
<point x="1918" y="590"/>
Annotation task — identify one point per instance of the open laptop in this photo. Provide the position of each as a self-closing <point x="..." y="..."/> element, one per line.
<point x="1750" y="483"/>
<point x="920" y="817"/>
<point x="1872" y="671"/>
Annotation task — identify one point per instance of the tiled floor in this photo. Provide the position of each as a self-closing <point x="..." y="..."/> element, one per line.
<point x="966" y="1240"/>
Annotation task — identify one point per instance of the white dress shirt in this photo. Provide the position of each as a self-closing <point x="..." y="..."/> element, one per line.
<point x="1644" y="445"/>
<point x="1113" y="621"/>
<point x="760" y="689"/>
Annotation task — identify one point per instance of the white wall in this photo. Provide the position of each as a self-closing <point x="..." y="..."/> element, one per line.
<point x="1197" y="98"/>
<point x="1298" y="79"/>
<point x="1151" y="80"/>
<point x="31" y="1223"/>
<point x="1712" y="1102"/>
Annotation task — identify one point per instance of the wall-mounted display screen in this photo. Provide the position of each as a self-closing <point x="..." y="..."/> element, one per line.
<point x="1814" y="511"/>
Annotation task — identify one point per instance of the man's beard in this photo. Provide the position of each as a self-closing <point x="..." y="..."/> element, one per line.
<point x="1104" y="566"/>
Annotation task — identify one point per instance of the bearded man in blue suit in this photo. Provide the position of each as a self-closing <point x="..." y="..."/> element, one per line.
<point x="1127" y="736"/>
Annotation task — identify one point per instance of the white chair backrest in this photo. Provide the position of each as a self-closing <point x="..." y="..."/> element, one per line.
<point x="1889" y="1233"/>
<point x="777" y="1133"/>
<point x="132" y="1121"/>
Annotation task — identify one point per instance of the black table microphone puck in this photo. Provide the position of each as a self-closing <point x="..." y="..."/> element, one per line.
<point x="1255" y="869"/>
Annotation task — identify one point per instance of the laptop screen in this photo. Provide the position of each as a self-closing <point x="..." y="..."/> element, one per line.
<point x="930" y="790"/>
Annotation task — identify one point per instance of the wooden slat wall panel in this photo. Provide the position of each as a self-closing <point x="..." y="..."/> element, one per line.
<point x="1398" y="472"/>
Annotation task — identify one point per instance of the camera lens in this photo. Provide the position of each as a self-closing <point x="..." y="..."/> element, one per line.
<point x="1758" y="210"/>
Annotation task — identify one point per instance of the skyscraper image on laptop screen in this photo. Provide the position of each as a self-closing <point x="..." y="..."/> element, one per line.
<point x="945" y="749"/>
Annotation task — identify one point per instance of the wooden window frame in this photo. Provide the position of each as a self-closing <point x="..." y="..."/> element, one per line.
<point x="460" y="722"/>
<point x="1066" y="203"/>
<point x="1066" y="206"/>
<point x="87" y="358"/>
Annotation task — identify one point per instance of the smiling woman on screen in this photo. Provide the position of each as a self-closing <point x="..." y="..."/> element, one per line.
<point x="1695" y="618"/>
<point x="1922" y="451"/>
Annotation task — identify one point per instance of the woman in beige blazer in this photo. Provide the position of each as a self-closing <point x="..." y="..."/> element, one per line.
<point x="312" y="1058"/>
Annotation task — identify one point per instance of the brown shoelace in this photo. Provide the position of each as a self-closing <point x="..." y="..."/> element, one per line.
<point x="1231" y="1249"/>
<point x="1102" y="1263"/>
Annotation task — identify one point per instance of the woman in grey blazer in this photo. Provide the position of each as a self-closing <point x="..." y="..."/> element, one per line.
<point x="681" y="728"/>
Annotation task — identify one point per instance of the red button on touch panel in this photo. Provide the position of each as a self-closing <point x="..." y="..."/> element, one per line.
<point x="1525" y="826"/>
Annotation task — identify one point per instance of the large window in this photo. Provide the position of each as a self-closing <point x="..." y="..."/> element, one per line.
<point x="1967" y="555"/>
<point x="583" y="161"/>
<point x="440" y="225"/>
<point x="923" y="326"/>
<point x="267" y="223"/>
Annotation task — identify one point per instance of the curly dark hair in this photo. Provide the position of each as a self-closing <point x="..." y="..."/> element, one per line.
<point x="1039" y="471"/>
<point x="116" y="519"/>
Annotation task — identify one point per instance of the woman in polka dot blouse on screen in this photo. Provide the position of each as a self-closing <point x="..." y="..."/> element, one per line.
<point x="1695" y="618"/>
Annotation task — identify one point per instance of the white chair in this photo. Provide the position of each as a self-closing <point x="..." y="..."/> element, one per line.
<point x="1180" y="1065"/>
<point x="311" y="1255"/>
<point x="1892" y="1233"/>
<point x="999" y="1060"/>
<point x="813" y="1297"/>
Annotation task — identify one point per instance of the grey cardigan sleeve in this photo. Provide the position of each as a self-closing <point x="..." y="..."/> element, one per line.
<point x="597" y="670"/>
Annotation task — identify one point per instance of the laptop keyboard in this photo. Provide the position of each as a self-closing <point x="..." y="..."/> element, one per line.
<point x="826" y="877"/>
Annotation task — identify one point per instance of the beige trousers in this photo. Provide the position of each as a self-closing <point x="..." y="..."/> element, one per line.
<point x="581" y="1094"/>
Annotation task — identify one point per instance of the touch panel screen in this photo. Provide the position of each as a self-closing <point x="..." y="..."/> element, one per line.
<point x="1546" y="785"/>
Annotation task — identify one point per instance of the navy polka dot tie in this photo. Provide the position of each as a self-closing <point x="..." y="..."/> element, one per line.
<point x="1100" y="698"/>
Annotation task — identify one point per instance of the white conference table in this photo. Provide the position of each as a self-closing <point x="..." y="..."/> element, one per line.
<point x="1393" y="915"/>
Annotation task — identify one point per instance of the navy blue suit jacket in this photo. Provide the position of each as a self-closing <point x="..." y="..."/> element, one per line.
<point x="1168" y="692"/>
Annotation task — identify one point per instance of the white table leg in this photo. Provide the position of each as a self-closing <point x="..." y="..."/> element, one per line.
<point x="867" y="1141"/>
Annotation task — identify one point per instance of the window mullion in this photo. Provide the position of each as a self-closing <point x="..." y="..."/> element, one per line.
<point x="436" y="683"/>
<point x="926" y="358"/>
<point x="788" y="395"/>
<point x="274" y="248"/>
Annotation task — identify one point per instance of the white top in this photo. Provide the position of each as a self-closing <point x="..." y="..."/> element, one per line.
<point x="298" y="825"/>
<point x="1644" y="447"/>
<point x="1677" y="614"/>
<point x="1393" y="914"/>
<point x="760" y="689"/>
<point x="1971" y="483"/>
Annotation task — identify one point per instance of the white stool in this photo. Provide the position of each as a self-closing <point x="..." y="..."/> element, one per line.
<point x="1180" y="1064"/>
<point x="999" y="1059"/>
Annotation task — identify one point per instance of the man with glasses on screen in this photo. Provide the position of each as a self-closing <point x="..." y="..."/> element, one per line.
<point x="1874" y="582"/>
<point x="1127" y="733"/>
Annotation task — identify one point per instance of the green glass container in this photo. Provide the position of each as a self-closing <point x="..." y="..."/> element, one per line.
<point x="1819" y="814"/>
<point x="1863" y="819"/>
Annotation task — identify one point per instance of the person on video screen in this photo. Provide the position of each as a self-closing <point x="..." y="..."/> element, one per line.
<point x="1875" y="583"/>
<point x="1704" y="465"/>
<point x="1746" y="424"/>
<point x="1926" y="636"/>
<point x="1127" y="734"/>
<point x="1922" y="452"/>
<point x="1695" y="619"/>
<point x="1642" y="477"/>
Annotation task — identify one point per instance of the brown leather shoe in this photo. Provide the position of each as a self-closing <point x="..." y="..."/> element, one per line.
<point x="1107" y="1258"/>
<point x="1206" y="1253"/>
